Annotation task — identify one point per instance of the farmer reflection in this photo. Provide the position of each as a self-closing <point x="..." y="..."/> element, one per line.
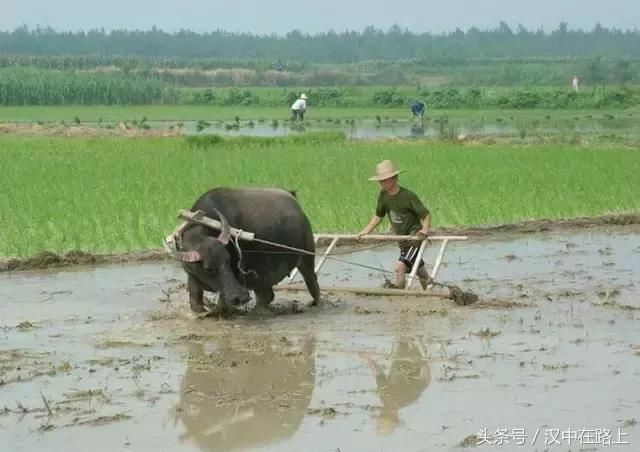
<point x="408" y="377"/>
<point x="246" y="394"/>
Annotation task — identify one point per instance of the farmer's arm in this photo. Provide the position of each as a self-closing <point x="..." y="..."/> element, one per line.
<point x="426" y="225"/>
<point x="373" y="223"/>
<point x="423" y="213"/>
<point x="381" y="211"/>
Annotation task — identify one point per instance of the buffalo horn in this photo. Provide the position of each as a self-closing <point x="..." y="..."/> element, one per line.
<point x="225" y="234"/>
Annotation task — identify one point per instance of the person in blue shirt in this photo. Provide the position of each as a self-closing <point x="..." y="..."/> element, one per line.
<point x="418" y="108"/>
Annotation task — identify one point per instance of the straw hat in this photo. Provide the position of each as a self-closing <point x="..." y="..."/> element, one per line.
<point x="303" y="96"/>
<point x="385" y="170"/>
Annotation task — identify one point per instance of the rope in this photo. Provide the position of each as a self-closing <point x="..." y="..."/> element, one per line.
<point x="380" y="245"/>
<point x="357" y="264"/>
<point x="301" y="251"/>
<point x="328" y="256"/>
<point x="242" y="270"/>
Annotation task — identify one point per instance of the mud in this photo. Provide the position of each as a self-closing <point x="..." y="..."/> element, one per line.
<point x="94" y="130"/>
<point x="109" y="357"/>
<point x="48" y="259"/>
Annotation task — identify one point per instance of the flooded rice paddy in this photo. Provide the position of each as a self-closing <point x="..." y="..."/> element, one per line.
<point x="110" y="358"/>
<point x="621" y="129"/>
<point x="364" y="129"/>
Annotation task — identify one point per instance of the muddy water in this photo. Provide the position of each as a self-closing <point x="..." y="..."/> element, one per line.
<point x="110" y="358"/>
<point x="621" y="128"/>
<point x="368" y="130"/>
<point x="361" y="131"/>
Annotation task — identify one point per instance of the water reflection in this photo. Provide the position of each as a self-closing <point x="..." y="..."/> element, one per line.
<point x="417" y="130"/>
<point x="408" y="377"/>
<point x="247" y="393"/>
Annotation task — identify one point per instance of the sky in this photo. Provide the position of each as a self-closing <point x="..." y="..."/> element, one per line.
<point x="312" y="16"/>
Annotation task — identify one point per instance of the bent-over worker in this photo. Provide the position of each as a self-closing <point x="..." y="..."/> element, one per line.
<point x="418" y="108"/>
<point x="299" y="107"/>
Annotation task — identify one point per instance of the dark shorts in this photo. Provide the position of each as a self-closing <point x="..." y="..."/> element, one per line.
<point x="408" y="256"/>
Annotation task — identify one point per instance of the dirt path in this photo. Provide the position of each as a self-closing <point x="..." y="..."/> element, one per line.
<point x="110" y="358"/>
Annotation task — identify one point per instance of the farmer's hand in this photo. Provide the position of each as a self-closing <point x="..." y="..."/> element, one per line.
<point x="360" y="234"/>
<point x="423" y="234"/>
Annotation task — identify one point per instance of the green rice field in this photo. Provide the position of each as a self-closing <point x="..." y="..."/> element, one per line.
<point x="118" y="194"/>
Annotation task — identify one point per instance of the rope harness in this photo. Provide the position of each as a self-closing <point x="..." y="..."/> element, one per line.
<point x="294" y="250"/>
<point x="177" y="238"/>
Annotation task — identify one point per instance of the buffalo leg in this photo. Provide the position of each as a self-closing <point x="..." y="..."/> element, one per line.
<point x="196" y="293"/>
<point x="306" y="269"/>
<point x="222" y="309"/>
<point x="264" y="296"/>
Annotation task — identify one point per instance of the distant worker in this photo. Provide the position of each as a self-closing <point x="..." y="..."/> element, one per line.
<point x="299" y="107"/>
<point x="575" y="83"/>
<point x="418" y="108"/>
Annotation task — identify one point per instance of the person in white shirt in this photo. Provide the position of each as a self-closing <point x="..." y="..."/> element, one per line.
<point x="299" y="107"/>
<point x="575" y="83"/>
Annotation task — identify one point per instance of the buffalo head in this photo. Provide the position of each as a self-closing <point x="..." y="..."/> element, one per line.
<point x="211" y="256"/>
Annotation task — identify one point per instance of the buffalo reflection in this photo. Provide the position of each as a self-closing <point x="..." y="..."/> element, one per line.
<point x="246" y="394"/>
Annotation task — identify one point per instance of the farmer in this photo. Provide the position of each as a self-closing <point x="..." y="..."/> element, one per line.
<point x="408" y="216"/>
<point x="299" y="107"/>
<point x="575" y="83"/>
<point x="418" y="108"/>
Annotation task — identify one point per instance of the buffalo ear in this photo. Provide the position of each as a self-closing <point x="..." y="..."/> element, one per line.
<point x="225" y="234"/>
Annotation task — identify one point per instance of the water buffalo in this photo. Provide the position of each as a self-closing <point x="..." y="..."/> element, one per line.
<point x="247" y="392"/>
<point x="213" y="262"/>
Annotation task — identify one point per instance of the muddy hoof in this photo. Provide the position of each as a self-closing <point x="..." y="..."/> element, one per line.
<point x="219" y="312"/>
<point x="461" y="297"/>
<point x="198" y="309"/>
<point x="207" y="314"/>
<point x="263" y="310"/>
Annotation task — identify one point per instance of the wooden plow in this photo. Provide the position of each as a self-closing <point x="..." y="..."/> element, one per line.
<point x="171" y="243"/>
<point x="334" y="238"/>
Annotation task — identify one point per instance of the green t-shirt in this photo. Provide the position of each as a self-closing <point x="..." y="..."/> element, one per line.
<point x="405" y="211"/>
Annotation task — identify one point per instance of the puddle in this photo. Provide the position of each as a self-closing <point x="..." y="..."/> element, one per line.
<point x="110" y="358"/>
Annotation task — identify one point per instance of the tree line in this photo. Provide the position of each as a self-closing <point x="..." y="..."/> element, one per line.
<point x="369" y="44"/>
